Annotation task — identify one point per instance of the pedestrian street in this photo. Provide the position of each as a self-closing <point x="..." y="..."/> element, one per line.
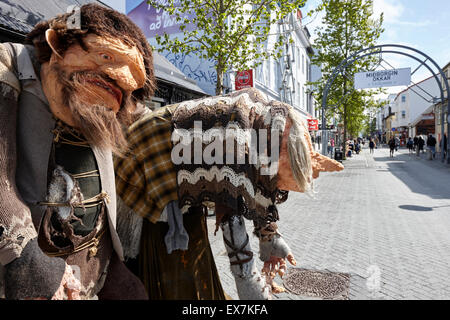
<point x="382" y="224"/>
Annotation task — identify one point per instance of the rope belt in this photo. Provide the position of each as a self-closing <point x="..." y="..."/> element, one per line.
<point x="59" y="138"/>
<point x="91" y="244"/>
<point x="93" y="173"/>
<point x="88" y="203"/>
<point x="241" y="250"/>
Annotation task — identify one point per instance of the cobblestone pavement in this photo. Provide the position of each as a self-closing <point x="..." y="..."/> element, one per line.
<point x="385" y="221"/>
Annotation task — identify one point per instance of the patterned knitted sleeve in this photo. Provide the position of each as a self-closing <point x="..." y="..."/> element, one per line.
<point x="16" y="226"/>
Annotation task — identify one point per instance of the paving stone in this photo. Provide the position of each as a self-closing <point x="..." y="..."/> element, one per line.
<point x="370" y="214"/>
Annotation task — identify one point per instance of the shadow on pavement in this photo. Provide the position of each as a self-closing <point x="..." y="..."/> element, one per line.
<point x="420" y="208"/>
<point x="420" y="175"/>
<point x="415" y="208"/>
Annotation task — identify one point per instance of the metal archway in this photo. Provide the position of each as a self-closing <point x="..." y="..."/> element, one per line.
<point x="380" y="49"/>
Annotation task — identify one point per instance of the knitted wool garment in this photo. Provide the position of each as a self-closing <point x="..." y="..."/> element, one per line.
<point x="246" y="119"/>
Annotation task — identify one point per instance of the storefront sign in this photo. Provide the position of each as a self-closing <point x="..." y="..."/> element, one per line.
<point x="313" y="124"/>
<point x="244" y="79"/>
<point x="428" y="117"/>
<point x="383" y="78"/>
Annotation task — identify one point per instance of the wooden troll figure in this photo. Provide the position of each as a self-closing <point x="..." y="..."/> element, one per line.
<point x="238" y="153"/>
<point x="66" y="96"/>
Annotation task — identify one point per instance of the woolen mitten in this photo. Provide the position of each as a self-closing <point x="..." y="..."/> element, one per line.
<point x="33" y="274"/>
<point x="275" y="247"/>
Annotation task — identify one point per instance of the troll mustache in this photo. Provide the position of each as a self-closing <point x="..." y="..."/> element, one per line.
<point x="97" y="122"/>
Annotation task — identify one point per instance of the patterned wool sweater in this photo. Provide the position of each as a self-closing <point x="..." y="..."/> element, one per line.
<point x="152" y="175"/>
<point x="239" y="132"/>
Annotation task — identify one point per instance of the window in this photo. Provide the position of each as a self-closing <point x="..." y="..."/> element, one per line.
<point x="304" y="97"/>
<point x="307" y="71"/>
<point x="403" y="114"/>
<point x="403" y="98"/>
<point x="303" y="64"/>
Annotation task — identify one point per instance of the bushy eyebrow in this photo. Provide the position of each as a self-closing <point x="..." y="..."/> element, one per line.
<point x="86" y="47"/>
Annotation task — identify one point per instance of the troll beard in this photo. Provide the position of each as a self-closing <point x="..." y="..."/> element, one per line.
<point x="99" y="124"/>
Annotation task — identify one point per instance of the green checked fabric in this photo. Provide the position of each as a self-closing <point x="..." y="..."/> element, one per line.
<point x="146" y="180"/>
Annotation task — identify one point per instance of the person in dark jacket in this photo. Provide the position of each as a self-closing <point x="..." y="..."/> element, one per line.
<point x="410" y="145"/>
<point x="392" y="146"/>
<point x="431" y="144"/>
<point x="420" y="144"/>
<point x="371" y="145"/>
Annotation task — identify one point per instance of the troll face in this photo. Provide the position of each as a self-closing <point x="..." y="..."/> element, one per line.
<point x="107" y="68"/>
<point x="94" y="76"/>
<point x="87" y="87"/>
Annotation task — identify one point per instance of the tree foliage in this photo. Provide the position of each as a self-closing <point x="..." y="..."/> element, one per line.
<point x="369" y="121"/>
<point x="232" y="32"/>
<point x="347" y="27"/>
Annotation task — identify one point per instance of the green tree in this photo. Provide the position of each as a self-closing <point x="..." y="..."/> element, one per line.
<point x="232" y="32"/>
<point x="347" y="26"/>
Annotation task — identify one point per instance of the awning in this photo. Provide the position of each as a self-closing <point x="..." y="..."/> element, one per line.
<point x="165" y="71"/>
<point x="426" y="115"/>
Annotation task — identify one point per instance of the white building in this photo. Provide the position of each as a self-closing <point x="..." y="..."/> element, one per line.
<point x="384" y="113"/>
<point x="409" y="104"/>
<point x="282" y="79"/>
<point x="286" y="79"/>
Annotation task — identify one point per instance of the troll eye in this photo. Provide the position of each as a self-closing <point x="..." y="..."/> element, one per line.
<point x="105" y="56"/>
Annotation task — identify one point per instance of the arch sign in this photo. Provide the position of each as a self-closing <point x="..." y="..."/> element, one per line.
<point x="383" y="78"/>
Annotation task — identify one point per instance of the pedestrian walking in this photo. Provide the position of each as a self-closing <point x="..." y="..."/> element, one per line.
<point x="420" y="144"/>
<point x="410" y="145"/>
<point x="392" y="145"/>
<point x="332" y="144"/>
<point x="371" y="145"/>
<point x="431" y="145"/>
<point x="357" y="147"/>
<point x="416" y="142"/>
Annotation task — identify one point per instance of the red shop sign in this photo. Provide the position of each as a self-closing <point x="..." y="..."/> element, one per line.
<point x="244" y="79"/>
<point x="313" y="124"/>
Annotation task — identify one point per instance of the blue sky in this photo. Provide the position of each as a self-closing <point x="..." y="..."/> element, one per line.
<point x="423" y="25"/>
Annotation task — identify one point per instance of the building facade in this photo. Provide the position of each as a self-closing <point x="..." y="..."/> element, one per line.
<point x="409" y="104"/>
<point x="286" y="79"/>
<point x="384" y="117"/>
<point x="282" y="79"/>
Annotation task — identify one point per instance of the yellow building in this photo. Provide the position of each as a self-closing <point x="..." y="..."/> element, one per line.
<point x="388" y="126"/>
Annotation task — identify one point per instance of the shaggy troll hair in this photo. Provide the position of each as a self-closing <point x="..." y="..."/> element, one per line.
<point x="298" y="146"/>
